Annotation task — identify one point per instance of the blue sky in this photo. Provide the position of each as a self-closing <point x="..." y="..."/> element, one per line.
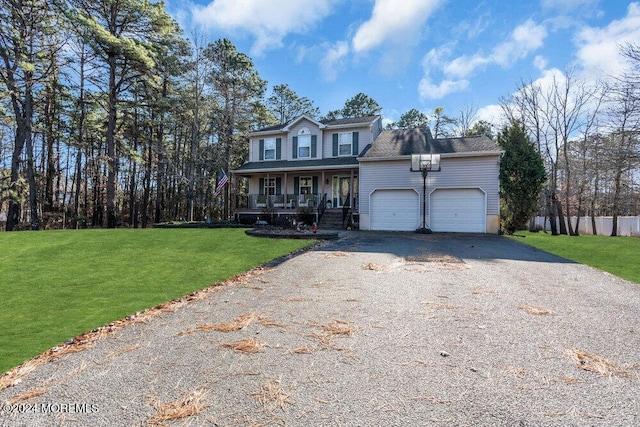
<point x="420" y="54"/>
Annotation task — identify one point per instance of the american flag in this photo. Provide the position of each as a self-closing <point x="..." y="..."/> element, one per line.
<point x="222" y="180"/>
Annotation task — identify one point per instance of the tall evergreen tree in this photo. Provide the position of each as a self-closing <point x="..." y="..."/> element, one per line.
<point x="24" y="41"/>
<point x="413" y="119"/>
<point x="236" y="87"/>
<point x="121" y="33"/>
<point x="360" y="105"/>
<point x="522" y="176"/>
<point x="286" y="105"/>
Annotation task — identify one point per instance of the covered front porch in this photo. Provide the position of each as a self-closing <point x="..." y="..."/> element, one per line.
<point x="289" y="191"/>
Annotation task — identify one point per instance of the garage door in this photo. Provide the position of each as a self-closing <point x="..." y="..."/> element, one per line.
<point x="395" y="210"/>
<point x="458" y="210"/>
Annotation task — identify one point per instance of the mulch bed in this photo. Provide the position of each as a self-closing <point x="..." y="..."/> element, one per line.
<point x="283" y="233"/>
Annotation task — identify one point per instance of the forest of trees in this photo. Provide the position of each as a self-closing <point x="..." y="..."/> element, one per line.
<point x="110" y="116"/>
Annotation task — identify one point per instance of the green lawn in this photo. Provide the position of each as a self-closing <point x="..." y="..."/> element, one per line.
<point x="59" y="284"/>
<point x="616" y="255"/>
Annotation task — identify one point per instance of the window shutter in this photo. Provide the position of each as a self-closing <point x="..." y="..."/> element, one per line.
<point x="261" y="186"/>
<point x="261" y="154"/>
<point x="278" y="148"/>
<point x="335" y="145"/>
<point x="294" y="154"/>
<point x="354" y="145"/>
<point x="296" y="185"/>
<point x="278" y="185"/>
<point x="315" y="185"/>
<point x="314" y="146"/>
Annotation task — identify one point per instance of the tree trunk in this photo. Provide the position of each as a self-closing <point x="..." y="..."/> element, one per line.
<point x="112" y="159"/>
<point x="31" y="176"/>
<point x="616" y="201"/>
<point x="561" y="217"/>
<point x="13" y="214"/>
<point x="551" y="214"/>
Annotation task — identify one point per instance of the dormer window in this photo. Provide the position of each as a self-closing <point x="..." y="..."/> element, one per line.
<point x="270" y="149"/>
<point x="304" y="144"/>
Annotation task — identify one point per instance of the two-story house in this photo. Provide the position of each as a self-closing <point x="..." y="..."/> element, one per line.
<point x="305" y="163"/>
<point x="354" y="166"/>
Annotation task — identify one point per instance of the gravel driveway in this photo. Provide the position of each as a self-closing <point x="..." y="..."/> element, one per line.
<point x="374" y="329"/>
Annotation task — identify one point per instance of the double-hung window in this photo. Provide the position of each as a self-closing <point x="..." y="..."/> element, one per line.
<point x="270" y="149"/>
<point x="345" y="140"/>
<point x="304" y="146"/>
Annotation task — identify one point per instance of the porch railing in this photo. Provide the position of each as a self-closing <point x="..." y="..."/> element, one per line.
<point x="290" y="201"/>
<point x="278" y="201"/>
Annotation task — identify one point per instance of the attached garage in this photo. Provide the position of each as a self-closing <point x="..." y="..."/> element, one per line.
<point x="395" y="210"/>
<point x="460" y="210"/>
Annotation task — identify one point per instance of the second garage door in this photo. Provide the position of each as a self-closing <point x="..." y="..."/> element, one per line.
<point x="459" y="210"/>
<point x="395" y="210"/>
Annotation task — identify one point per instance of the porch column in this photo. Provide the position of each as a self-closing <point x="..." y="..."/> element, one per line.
<point x="323" y="190"/>
<point x="284" y="191"/>
<point x="234" y="194"/>
<point x="351" y="191"/>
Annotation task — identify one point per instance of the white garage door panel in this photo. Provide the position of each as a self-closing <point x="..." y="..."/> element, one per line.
<point x="395" y="210"/>
<point x="458" y="210"/>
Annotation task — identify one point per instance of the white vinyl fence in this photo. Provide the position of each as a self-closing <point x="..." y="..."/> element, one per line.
<point x="627" y="225"/>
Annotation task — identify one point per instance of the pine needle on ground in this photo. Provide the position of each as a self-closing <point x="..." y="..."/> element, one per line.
<point x="28" y="395"/>
<point x="272" y="396"/>
<point x="190" y="404"/>
<point x="594" y="363"/>
<point x="240" y="322"/>
<point x="536" y="311"/>
<point x="246" y="345"/>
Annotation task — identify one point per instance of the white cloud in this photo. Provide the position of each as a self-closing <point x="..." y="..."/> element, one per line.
<point x="463" y="65"/>
<point x="493" y="114"/>
<point x="268" y="21"/>
<point x="393" y="20"/>
<point x="333" y="60"/>
<point x="524" y="39"/>
<point x="598" y="47"/>
<point x="428" y="90"/>
<point x="540" y="62"/>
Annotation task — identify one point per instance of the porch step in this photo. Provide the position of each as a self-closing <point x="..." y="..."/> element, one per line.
<point x="332" y="220"/>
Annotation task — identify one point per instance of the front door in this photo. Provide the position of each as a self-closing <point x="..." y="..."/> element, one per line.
<point x="341" y="188"/>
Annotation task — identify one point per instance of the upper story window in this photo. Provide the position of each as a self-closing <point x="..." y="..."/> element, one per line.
<point x="304" y="146"/>
<point x="345" y="140"/>
<point x="270" y="149"/>
<point x="345" y="144"/>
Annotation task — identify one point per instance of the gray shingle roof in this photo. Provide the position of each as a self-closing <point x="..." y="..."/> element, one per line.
<point x="336" y="122"/>
<point x="404" y="142"/>
<point x="349" y="121"/>
<point x="298" y="164"/>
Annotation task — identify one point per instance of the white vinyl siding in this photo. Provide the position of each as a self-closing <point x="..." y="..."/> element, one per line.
<point x="479" y="172"/>
<point x="304" y="141"/>
<point x="364" y="139"/>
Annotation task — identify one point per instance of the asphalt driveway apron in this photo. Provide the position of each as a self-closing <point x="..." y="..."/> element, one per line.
<point x="374" y="329"/>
